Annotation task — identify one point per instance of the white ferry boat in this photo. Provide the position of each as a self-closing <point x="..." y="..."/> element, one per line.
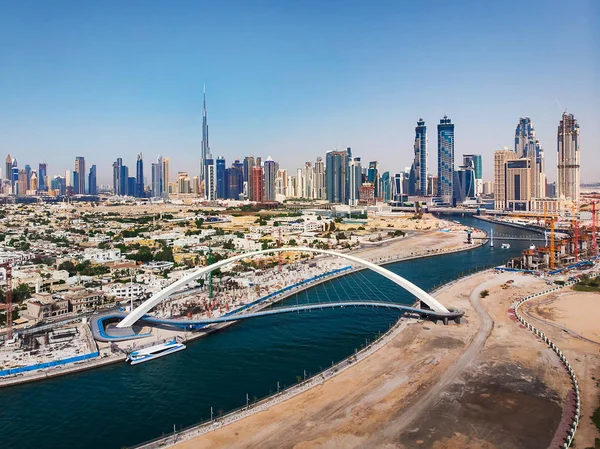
<point x="505" y="245"/>
<point x="154" y="352"/>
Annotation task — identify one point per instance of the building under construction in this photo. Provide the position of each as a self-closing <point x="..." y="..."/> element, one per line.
<point x="574" y="244"/>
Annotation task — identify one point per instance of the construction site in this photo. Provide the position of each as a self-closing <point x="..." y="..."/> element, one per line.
<point x="571" y="242"/>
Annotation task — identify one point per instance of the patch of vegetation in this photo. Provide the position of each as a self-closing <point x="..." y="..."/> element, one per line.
<point x="484" y="293"/>
<point x="587" y="284"/>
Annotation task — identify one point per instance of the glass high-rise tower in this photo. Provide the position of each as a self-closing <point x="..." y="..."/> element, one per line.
<point x="419" y="167"/>
<point x="446" y="160"/>
<point x="139" y="177"/>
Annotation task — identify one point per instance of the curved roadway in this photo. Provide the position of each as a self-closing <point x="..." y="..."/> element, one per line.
<point x="100" y="333"/>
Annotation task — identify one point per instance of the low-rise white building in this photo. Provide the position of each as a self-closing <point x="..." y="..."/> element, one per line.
<point x="126" y="291"/>
<point x="102" y="255"/>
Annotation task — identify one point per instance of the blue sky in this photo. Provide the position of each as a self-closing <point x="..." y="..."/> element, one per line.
<point x="292" y="79"/>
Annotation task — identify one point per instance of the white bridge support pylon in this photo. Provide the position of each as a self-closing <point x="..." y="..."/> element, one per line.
<point x="157" y="298"/>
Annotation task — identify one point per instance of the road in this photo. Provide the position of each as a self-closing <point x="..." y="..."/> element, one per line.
<point x="427" y="400"/>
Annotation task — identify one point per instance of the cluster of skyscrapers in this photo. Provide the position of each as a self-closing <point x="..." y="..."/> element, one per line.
<point x="28" y="182"/>
<point x="340" y="178"/>
<point x="520" y="182"/>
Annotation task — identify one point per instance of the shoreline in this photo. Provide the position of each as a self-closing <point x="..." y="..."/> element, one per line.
<point x="100" y="361"/>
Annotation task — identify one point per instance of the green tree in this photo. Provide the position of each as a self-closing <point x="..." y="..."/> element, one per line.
<point x="69" y="266"/>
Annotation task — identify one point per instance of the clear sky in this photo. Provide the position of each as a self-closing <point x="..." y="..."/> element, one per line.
<point x="292" y="79"/>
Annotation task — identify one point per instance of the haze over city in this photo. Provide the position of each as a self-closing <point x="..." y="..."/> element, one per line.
<point x="291" y="80"/>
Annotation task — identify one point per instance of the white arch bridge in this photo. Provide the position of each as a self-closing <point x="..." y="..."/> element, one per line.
<point x="430" y="306"/>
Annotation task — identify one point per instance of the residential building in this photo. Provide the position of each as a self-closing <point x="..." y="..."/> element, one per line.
<point x="257" y="184"/>
<point x="500" y="159"/>
<point x="336" y="166"/>
<point x="80" y="170"/>
<point x="568" y="184"/>
<point x="210" y="177"/>
<point x="418" y="172"/>
<point x="319" y="179"/>
<point x="518" y="184"/>
<point x="270" y="170"/>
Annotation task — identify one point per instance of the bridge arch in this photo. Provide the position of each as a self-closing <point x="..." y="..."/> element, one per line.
<point x="157" y="298"/>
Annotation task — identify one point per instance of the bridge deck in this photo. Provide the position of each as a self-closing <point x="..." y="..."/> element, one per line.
<point x="102" y="334"/>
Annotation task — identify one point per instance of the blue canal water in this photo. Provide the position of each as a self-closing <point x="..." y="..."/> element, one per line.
<point x="123" y="405"/>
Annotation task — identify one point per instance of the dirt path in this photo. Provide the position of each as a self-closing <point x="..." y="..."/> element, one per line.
<point x="412" y="412"/>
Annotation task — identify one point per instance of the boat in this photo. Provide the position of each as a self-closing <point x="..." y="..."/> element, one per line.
<point x="154" y="352"/>
<point x="505" y="245"/>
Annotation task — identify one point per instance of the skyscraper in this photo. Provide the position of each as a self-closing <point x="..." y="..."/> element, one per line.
<point x="8" y="168"/>
<point x="336" y="165"/>
<point x="463" y="183"/>
<point x="270" y="171"/>
<point x="165" y="176"/>
<point x="205" y="146"/>
<point x="248" y="166"/>
<point x="92" y="181"/>
<point x="43" y="177"/>
<point x="355" y="181"/>
<point x="500" y="159"/>
<point x="124" y="181"/>
<point x="221" y="181"/>
<point x="528" y="146"/>
<point x="446" y="160"/>
<point x="80" y="169"/>
<point x="139" y="177"/>
<point x="373" y="177"/>
<point x="22" y="182"/>
<point x="210" y="188"/>
<point x="28" y="171"/>
<point x="319" y="182"/>
<point x="157" y="178"/>
<point x="14" y="175"/>
<point x="257" y="184"/>
<point x="235" y="181"/>
<point x="474" y="160"/>
<point x="568" y="185"/>
<point x="117" y="165"/>
<point x="518" y="184"/>
<point x="398" y="190"/>
<point x="419" y="167"/>
<point x="386" y="187"/>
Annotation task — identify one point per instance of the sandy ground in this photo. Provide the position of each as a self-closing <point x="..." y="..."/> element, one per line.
<point x="579" y="312"/>
<point x="508" y="395"/>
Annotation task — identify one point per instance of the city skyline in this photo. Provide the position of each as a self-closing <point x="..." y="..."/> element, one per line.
<point x="107" y="107"/>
